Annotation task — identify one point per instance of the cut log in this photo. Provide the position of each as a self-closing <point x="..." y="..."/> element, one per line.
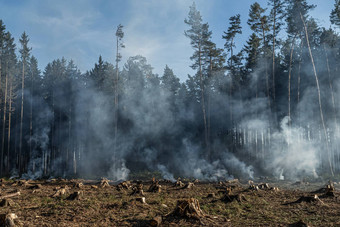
<point x="189" y="208"/>
<point x="253" y="187"/>
<point x="7" y="220"/>
<point x="10" y="195"/>
<point x="94" y="186"/>
<point x="75" y="196"/>
<point x="307" y="199"/>
<point x="156" y="221"/>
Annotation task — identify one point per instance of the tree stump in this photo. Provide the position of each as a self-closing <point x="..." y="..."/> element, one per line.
<point x="78" y="185"/>
<point x="189" y="208"/>
<point x="230" y="198"/>
<point x="60" y="192"/>
<point x="104" y="183"/>
<point x="155" y="186"/>
<point x="141" y="200"/>
<point x="308" y="199"/>
<point x="189" y="185"/>
<point x="179" y="183"/>
<point x="138" y="190"/>
<point x="7" y="220"/>
<point x="75" y="196"/>
<point x="156" y="221"/>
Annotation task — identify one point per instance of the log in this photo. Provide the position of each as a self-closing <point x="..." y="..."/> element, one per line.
<point x="10" y="195"/>
<point x="156" y="221"/>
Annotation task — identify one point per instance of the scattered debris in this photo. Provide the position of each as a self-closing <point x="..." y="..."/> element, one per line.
<point x="10" y="195"/>
<point x="6" y="203"/>
<point x="75" y="196"/>
<point x="233" y="181"/>
<point x="7" y="220"/>
<point x="94" y="186"/>
<point x="36" y="186"/>
<point x="196" y="181"/>
<point x="164" y="205"/>
<point x="211" y="195"/>
<point x="307" y="199"/>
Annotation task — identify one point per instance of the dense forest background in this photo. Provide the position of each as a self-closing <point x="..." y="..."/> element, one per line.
<point x="269" y="109"/>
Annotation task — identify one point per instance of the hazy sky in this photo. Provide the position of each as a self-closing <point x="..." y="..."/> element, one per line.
<point x="84" y="29"/>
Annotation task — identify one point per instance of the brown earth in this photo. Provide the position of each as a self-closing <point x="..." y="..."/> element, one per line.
<point x="69" y="203"/>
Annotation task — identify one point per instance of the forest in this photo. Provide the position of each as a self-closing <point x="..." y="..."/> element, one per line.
<point x="271" y="108"/>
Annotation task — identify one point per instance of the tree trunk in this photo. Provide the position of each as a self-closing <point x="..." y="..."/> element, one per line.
<point x="9" y="124"/>
<point x="319" y="96"/>
<point x="202" y="96"/>
<point x="21" y="116"/>
<point x="4" y="123"/>
<point x="289" y="80"/>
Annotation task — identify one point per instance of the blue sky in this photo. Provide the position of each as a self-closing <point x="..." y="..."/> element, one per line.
<point x="84" y="29"/>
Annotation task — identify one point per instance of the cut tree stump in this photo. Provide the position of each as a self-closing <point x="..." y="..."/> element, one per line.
<point x="156" y="221"/>
<point x="123" y="185"/>
<point x="264" y="186"/>
<point x="104" y="183"/>
<point x="7" y="220"/>
<point x="138" y="190"/>
<point x="179" y="183"/>
<point x="78" y="185"/>
<point x="141" y="200"/>
<point x="60" y="192"/>
<point x="189" y="185"/>
<point x="189" y="208"/>
<point x="230" y="198"/>
<point x="155" y="186"/>
<point x="75" y="196"/>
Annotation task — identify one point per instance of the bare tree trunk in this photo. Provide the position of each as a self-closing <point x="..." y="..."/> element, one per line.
<point x="21" y="116"/>
<point x="202" y="97"/>
<point x="289" y="79"/>
<point x="31" y="117"/>
<point x="116" y="102"/>
<point x="9" y="124"/>
<point x="266" y="64"/>
<point x="4" y="123"/>
<point x="319" y="96"/>
<point x="273" y="56"/>
<point x="331" y="87"/>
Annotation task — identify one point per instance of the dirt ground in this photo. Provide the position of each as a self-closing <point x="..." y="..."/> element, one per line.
<point x="228" y="203"/>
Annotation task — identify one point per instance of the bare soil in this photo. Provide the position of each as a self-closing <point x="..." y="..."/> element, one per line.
<point x="69" y="203"/>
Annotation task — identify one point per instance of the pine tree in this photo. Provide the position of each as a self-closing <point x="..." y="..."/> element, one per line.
<point x="25" y="56"/>
<point x="234" y="29"/>
<point x="275" y="18"/>
<point x="199" y="36"/>
<point x="258" y="22"/>
<point x="335" y="14"/>
<point x="119" y="45"/>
